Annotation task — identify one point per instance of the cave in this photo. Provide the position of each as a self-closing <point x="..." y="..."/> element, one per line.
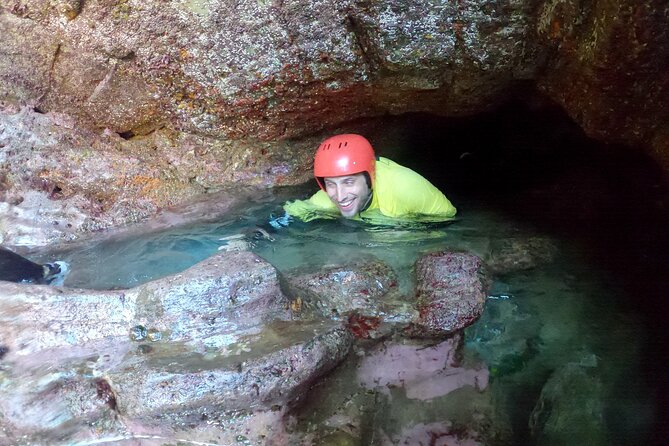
<point x="166" y="129"/>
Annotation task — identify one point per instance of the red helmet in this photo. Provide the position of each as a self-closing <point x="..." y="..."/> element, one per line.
<point x="346" y="154"/>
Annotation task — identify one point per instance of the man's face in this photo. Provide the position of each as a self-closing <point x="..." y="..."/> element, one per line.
<point x="350" y="193"/>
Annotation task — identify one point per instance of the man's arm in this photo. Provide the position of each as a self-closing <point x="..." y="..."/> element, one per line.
<point x="318" y="206"/>
<point x="415" y="195"/>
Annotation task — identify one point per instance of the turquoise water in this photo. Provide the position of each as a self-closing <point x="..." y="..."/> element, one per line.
<point x="560" y="322"/>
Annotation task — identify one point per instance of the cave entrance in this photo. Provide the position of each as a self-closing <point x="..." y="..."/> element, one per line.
<point x="536" y="165"/>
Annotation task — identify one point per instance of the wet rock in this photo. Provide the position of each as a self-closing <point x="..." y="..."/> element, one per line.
<point x="59" y="399"/>
<point x="442" y="433"/>
<point x="513" y="254"/>
<point x="570" y="409"/>
<point x="51" y="170"/>
<point x="407" y="390"/>
<point x="206" y="347"/>
<point x="186" y="386"/>
<point x="451" y="292"/>
<point x="336" y="291"/>
<point x="227" y="292"/>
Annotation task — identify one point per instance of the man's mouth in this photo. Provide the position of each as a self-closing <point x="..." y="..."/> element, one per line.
<point x="346" y="204"/>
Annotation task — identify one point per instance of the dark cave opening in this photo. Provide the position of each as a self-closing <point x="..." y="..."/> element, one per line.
<point x="538" y="166"/>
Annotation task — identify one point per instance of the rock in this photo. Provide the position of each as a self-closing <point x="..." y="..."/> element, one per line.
<point x="570" y="409"/>
<point x="228" y="292"/>
<point x="263" y="69"/>
<point x="362" y="287"/>
<point x="602" y="49"/>
<point x="513" y="254"/>
<point x="238" y="95"/>
<point x="506" y="336"/>
<point x="59" y="181"/>
<point x="451" y="292"/>
<point x="184" y="387"/>
<point x="210" y="346"/>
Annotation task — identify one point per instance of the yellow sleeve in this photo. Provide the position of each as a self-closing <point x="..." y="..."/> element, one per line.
<point x="412" y="195"/>
<point x="318" y="206"/>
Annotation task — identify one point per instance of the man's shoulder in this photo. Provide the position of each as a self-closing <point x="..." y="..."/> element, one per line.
<point x="392" y="173"/>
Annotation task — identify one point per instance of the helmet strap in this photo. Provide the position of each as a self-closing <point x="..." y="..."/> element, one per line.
<point x="368" y="202"/>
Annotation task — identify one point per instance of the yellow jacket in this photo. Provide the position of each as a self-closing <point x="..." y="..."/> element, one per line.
<point x="399" y="194"/>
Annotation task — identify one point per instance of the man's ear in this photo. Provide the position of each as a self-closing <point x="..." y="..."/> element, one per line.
<point x="368" y="179"/>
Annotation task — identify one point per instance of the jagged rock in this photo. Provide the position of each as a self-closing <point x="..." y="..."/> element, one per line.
<point x="451" y="292"/>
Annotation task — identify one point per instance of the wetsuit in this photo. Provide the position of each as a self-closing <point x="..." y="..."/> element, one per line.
<point x="399" y="194"/>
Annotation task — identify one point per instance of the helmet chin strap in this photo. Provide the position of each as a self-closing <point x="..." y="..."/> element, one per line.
<point x="367" y="203"/>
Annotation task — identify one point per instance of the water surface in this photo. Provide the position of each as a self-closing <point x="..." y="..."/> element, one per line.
<point x="547" y="323"/>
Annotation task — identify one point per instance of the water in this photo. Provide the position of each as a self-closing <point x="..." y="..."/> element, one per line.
<point x="560" y="322"/>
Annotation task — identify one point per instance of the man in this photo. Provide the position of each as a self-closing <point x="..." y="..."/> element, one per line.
<point x="357" y="185"/>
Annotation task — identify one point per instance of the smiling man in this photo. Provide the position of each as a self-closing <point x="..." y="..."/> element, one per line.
<point x="357" y="185"/>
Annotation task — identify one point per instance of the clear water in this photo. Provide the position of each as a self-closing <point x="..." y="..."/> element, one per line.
<point x="536" y="322"/>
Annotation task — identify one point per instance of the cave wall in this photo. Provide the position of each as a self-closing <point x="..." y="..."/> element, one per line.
<point x="111" y="110"/>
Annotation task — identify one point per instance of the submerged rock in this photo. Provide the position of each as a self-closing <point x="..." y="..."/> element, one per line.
<point x="570" y="409"/>
<point x="509" y="255"/>
<point x="451" y="292"/>
<point x="207" y="352"/>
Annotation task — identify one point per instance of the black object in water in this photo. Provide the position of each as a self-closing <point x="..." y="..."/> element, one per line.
<point x="16" y="268"/>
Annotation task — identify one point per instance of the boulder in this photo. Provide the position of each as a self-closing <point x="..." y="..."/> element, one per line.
<point x="423" y="372"/>
<point x="451" y="292"/>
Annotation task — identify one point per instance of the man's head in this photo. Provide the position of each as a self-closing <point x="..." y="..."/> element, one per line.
<point x="345" y="168"/>
<point x="350" y="193"/>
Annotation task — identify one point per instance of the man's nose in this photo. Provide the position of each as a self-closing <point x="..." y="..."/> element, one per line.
<point x="340" y="193"/>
